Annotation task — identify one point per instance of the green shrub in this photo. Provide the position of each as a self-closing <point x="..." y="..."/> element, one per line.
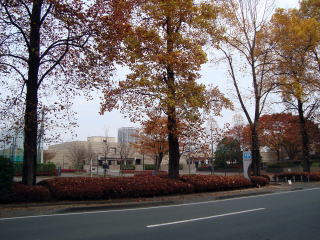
<point x="149" y="167"/>
<point x="288" y="164"/>
<point x="43" y="169"/>
<point x="46" y="168"/>
<point x="6" y="177"/>
<point x="315" y="164"/>
<point x="127" y="167"/>
<point x="18" y="168"/>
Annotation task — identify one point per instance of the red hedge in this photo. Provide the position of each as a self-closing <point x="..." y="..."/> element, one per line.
<point x="23" y="193"/>
<point x="80" y="188"/>
<point x="267" y="177"/>
<point x="315" y="176"/>
<point x="208" y="183"/>
<point x="259" y="181"/>
<point x="96" y="188"/>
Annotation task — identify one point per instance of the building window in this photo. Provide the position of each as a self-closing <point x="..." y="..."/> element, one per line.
<point x="113" y="150"/>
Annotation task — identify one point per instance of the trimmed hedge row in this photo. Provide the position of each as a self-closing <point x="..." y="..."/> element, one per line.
<point x="314" y="176"/>
<point x="287" y="164"/>
<point x="23" y="193"/>
<point x="87" y="188"/>
<point x="127" y="167"/>
<point x="208" y="183"/>
<point x="98" y="188"/>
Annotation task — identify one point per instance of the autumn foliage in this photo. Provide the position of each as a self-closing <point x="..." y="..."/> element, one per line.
<point x="211" y="183"/>
<point x="152" y="139"/>
<point x="280" y="133"/>
<point x="164" y="51"/>
<point x="295" y="37"/>
<point x="23" y="193"/>
<point x="259" y="181"/>
<point x="83" y="188"/>
<point x="98" y="188"/>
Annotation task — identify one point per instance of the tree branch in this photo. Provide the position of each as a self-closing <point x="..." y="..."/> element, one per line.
<point x="46" y="14"/>
<point x="16" y="25"/>
<point x="26" y="7"/>
<point x="16" y="69"/>
<point x="232" y="74"/>
<point x="14" y="56"/>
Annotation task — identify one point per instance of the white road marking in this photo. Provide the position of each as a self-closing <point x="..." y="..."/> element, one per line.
<point x="204" y="218"/>
<point x="147" y="208"/>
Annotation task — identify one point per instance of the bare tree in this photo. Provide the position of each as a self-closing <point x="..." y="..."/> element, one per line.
<point x="243" y="45"/>
<point x="90" y="153"/>
<point x="124" y="150"/>
<point x="78" y="154"/>
<point x="52" y="46"/>
<point x="48" y="155"/>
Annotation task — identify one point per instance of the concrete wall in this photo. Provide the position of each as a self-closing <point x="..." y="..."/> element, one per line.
<point x="99" y="150"/>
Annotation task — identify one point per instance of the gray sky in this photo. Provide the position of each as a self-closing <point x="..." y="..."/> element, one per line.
<point x="92" y="124"/>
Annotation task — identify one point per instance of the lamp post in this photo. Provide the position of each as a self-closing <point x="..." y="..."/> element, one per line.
<point x="212" y="169"/>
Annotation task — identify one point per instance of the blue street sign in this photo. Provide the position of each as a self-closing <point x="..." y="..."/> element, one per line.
<point x="246" y="155"/>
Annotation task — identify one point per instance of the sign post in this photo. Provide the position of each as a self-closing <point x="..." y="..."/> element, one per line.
<point x="247" y="159"/>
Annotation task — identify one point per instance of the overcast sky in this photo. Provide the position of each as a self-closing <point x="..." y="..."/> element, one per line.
<point x="92" y="124"/>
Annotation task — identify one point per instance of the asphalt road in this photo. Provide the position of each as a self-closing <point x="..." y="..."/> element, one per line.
<point x="285" y="215"/>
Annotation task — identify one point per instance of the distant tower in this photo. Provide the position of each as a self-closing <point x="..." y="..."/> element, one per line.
<point x="127" y="135"/>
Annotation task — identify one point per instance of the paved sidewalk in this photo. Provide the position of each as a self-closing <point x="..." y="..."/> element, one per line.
<point x="31" y="209"/>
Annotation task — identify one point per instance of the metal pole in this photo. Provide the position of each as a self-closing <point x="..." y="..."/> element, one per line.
<point x="212" y="158"/>
<point x="97" y="166"/>
<point x="90" y="166"/>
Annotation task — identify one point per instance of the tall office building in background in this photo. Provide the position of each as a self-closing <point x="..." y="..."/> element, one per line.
<point x="127" y="135"/>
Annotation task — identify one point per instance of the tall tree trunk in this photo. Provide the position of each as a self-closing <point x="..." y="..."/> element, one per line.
<point x="305" y="139"/>
<point x="159" y="160"/>
<point x="30" y="117"/>
<point x="174" y="154"/>
<point x="255" y="151"/>
<point x="173" y="140"/>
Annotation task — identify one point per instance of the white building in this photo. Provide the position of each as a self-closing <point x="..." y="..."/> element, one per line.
<point x="127" y="135"/>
